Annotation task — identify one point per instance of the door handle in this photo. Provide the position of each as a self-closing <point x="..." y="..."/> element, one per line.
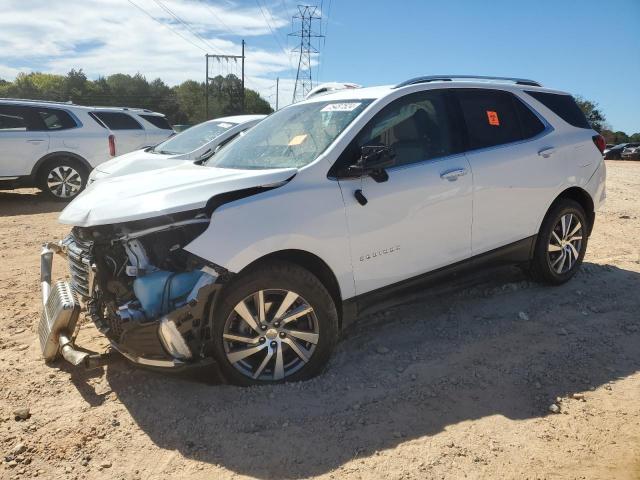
<point x="546" y="152"/>
<point x="452" y="175"/>
<point x="35" y="140"/>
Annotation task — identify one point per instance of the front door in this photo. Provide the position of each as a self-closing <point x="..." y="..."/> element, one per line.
<point x="420" y="218"/>
<point x="20" y="145"/>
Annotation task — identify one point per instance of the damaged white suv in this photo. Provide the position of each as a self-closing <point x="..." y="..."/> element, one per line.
<point x="258" y="259"/>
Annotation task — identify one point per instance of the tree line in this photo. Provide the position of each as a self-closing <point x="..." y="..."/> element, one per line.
<point x="599" y="123"/>
<point x="182" y="104"/>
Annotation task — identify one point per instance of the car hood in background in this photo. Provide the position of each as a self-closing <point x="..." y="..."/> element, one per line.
<point x="161" y="192"/>
<point x="138" y="161"/>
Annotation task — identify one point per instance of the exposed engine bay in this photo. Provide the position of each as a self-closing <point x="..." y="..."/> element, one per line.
<point x="144" y="292"/>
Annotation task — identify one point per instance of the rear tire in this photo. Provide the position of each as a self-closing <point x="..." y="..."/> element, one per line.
<point x="62" y="178"/>
<point x="255" y="345"/>
<point x="561" y="243"/>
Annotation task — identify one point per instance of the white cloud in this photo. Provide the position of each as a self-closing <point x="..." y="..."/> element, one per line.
<point x="113" y="36"/>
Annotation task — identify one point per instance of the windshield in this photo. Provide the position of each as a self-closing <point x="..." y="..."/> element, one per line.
<point x="290" y="138"/>
<point x="192" y="138"/>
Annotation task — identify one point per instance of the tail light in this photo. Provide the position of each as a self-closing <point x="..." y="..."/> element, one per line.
<point x="600" y="143"/>
<point x="112" y="145"/>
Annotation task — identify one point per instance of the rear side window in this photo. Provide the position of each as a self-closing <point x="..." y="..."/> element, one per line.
<point x="54" y="119"/>
<point x="564" y="106"/>
<point x="12" y="119"/>
<point x="116" y="120"/>
<point x="157" y="121"/>
<point x="496" y="117"/>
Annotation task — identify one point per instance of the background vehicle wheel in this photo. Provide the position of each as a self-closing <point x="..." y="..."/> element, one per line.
<point x="561" y="243"/>
<point x="274" y="323"/>
<point x="63" y="178"/>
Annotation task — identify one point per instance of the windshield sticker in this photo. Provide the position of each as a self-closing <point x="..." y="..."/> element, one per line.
<point x="225" y="125"/>
<point x="493" y="118"/>
<point x="297" y="140"/>
<point x="341" y="107"/>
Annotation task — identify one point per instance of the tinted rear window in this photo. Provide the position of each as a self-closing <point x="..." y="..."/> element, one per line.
<point x="157" y="121"/>
<point x="496" y="117"/>
<point x="564" y="106"/>
<point x="117" y="120"/>
<point x="54" y="119"/>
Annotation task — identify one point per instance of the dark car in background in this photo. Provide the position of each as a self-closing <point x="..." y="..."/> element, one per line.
<point x="615" y="153"/>
<point x="631" y="153"/>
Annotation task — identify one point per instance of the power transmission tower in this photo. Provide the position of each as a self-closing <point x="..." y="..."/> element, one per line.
<point x="304" y="83"/>
<point x="208" y="77"/>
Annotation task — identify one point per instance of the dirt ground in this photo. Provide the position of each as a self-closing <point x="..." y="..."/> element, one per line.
<point x="453" y="385"/>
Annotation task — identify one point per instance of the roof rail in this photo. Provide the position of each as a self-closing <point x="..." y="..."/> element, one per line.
<point x="449" y="78"/>
<point x="31" y="100"/>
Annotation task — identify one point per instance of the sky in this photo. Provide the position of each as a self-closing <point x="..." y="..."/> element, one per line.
<point x="586" y="47"/>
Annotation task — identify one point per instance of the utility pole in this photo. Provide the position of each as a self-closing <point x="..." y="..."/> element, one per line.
<point x="207" y="78"/>
<point x="304" y="82"/>
<point x="277" y="91"/>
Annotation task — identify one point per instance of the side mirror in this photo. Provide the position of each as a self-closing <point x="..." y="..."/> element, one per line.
<point x="373" y="161"/>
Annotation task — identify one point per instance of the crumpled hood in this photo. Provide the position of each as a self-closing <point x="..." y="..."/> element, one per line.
<point x="137" y="161"/>
<point x="161" y="192"/>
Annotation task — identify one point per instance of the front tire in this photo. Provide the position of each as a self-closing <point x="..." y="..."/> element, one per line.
<point x="561" y="243"/>
<point x="275" y="323"/>
<point x="62" y="178"/>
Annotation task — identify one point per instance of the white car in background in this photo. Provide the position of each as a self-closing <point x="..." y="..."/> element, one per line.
<point x="54" y="146"/>
<point x="196" y="144"/>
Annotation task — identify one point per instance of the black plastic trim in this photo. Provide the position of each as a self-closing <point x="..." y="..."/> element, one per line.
<point x="513" y="253"/>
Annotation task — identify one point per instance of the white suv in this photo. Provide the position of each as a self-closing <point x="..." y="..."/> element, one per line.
<point x="54" y="146"/>
<point x="320" y="212"/>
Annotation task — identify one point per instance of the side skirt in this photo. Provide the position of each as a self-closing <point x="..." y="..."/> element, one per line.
<point x="394" y="294"/>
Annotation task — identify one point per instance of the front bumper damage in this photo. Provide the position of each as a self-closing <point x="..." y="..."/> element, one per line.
<point x="158" y="343"/>
<point x="60" y="313"/>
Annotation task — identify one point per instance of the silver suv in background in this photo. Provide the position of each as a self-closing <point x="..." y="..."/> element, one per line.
<point x="54" y="146"/>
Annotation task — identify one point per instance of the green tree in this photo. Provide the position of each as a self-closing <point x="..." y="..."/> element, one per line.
<point x="592" y="112"/>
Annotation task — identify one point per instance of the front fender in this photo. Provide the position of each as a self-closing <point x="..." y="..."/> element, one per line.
<point x="300" y="216"/>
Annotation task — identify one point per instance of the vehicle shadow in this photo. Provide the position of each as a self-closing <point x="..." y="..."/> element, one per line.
<point x="502" y="347"/>
<point x="27" y="202"/>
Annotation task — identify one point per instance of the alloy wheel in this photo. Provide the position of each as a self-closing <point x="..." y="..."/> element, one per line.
<point x="565" y="243"/>
<point x="271" y="334"/>
<point x="64" y="181"/>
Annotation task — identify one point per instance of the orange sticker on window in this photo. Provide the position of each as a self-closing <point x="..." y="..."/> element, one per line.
<point x="493" y="117"/>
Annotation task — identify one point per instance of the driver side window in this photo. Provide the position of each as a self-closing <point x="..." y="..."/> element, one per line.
<point x="417" y="127"/>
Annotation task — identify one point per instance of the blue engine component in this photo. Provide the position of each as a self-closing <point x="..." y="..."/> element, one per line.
<point x="162" y="291"/>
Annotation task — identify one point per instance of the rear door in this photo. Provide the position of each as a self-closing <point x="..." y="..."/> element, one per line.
<point x="22" y="143"/>
<point x="420" y="218"/>
<point x="157" y="127"/>
<point x="516" y="166"/>
<point x="129" y="133"/>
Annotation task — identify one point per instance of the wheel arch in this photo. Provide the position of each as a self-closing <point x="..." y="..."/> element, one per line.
<point x="313" y="264"/>
<point x="35" y="171"/>
<point x="581" y="196"/>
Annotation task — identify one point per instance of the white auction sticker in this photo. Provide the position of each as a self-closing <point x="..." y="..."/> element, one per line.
<point x="341" y="107"/>
<point x="225" y="125"/>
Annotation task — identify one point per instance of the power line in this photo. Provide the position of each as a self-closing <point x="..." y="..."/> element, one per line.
<point x="165" y="25"/>
<point x="229" y="30"/>
<point x="185" y="24"/>
<point x="269" y="25"/>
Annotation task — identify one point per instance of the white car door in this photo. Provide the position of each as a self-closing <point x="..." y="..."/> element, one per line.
<point x="420" y="218"/>
<point x="20" y="146"/>
<point x="516" y="167"/>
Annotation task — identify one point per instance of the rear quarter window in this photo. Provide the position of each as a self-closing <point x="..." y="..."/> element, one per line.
<point x="116" y="120"/>
<point x="157" y="121"/>
<point x="564" y="106"/>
